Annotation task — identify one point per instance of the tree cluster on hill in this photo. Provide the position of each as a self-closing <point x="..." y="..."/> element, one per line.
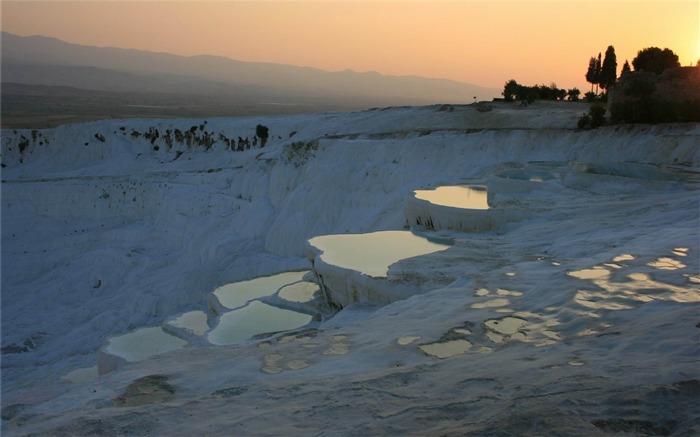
<point x="527" y="94"/>
<point x="647" y="97"/>
<point x="603" y="73"/>
<point x="655" y="60"/>
<point x="657" y="91"/>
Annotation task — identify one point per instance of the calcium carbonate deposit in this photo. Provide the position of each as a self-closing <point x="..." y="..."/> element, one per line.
<point x="570" y="309"/>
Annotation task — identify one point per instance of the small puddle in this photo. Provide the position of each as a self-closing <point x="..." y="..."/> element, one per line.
<point x="635" y="288"/>
<point x="465" y="197"/>
<point x="238" y="293"/>
<point x="594" y="273"/>
<point x="192" y="321"/>
<point x="665" y="263"/>
<point x="680" y="251"/>
<point x="373" y="253"/>
<point x="493" y="303"/>
<point x="600" y="301"/>
<point x="482" y="292"/>
<point x="255" y="318"/>
<point x="446" y="349"/>
<point x="504" y="292"/>
<point x="506" y="325"/>
<point x="693" y="279"/>
<point x="143" y="343"/>
<point x="403" y="341"/>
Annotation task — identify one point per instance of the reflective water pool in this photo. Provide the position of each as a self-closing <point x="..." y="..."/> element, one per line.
<point x="192" y="321"/>
<point x="238" y="293"/>
<point x="373" y="253"/>
<point x="299" y="292"/>
<point x="466" y="197"/>
<point x="446" y="349"/>
<point x="253" y="319"/>
<point x="143" y="343"/>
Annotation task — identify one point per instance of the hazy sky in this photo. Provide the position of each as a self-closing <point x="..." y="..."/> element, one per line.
<point x="481" y="42"/>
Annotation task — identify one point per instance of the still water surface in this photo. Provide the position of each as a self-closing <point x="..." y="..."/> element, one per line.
<point x="373" y="253"/>
<point x="465" y="197"/>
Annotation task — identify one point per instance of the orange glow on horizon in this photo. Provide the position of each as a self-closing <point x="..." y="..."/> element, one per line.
<point x="484" y="43"/>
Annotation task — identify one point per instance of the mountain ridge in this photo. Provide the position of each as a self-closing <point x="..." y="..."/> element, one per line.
<point x="52" y="51"/>
<point x="187" y="86"/>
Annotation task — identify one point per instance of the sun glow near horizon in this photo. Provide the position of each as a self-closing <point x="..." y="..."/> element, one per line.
<point x="484" y="43"/>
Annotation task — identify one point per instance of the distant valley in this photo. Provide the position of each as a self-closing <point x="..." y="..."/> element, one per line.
<point x="48" y="82"/>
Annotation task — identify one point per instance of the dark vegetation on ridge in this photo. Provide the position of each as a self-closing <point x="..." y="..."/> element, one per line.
<point x="47" y="83"/>
<point x="164" y="140"/>
<point x="659" y="90"/>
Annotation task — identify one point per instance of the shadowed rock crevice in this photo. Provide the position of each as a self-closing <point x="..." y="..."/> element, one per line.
<point x="152" y="389"/>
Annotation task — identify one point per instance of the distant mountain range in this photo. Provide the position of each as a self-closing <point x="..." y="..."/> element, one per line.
<point x="235" y="87"/>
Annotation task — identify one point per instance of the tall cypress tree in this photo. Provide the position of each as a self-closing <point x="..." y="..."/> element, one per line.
<point x="608" y="71"/>
<point x="596" y="75"/>
<point x="590" y="74"/>
<point x="625" y="68"/>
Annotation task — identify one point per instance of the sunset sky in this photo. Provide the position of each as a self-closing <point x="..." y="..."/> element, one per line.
<point x="480" y="42"/>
